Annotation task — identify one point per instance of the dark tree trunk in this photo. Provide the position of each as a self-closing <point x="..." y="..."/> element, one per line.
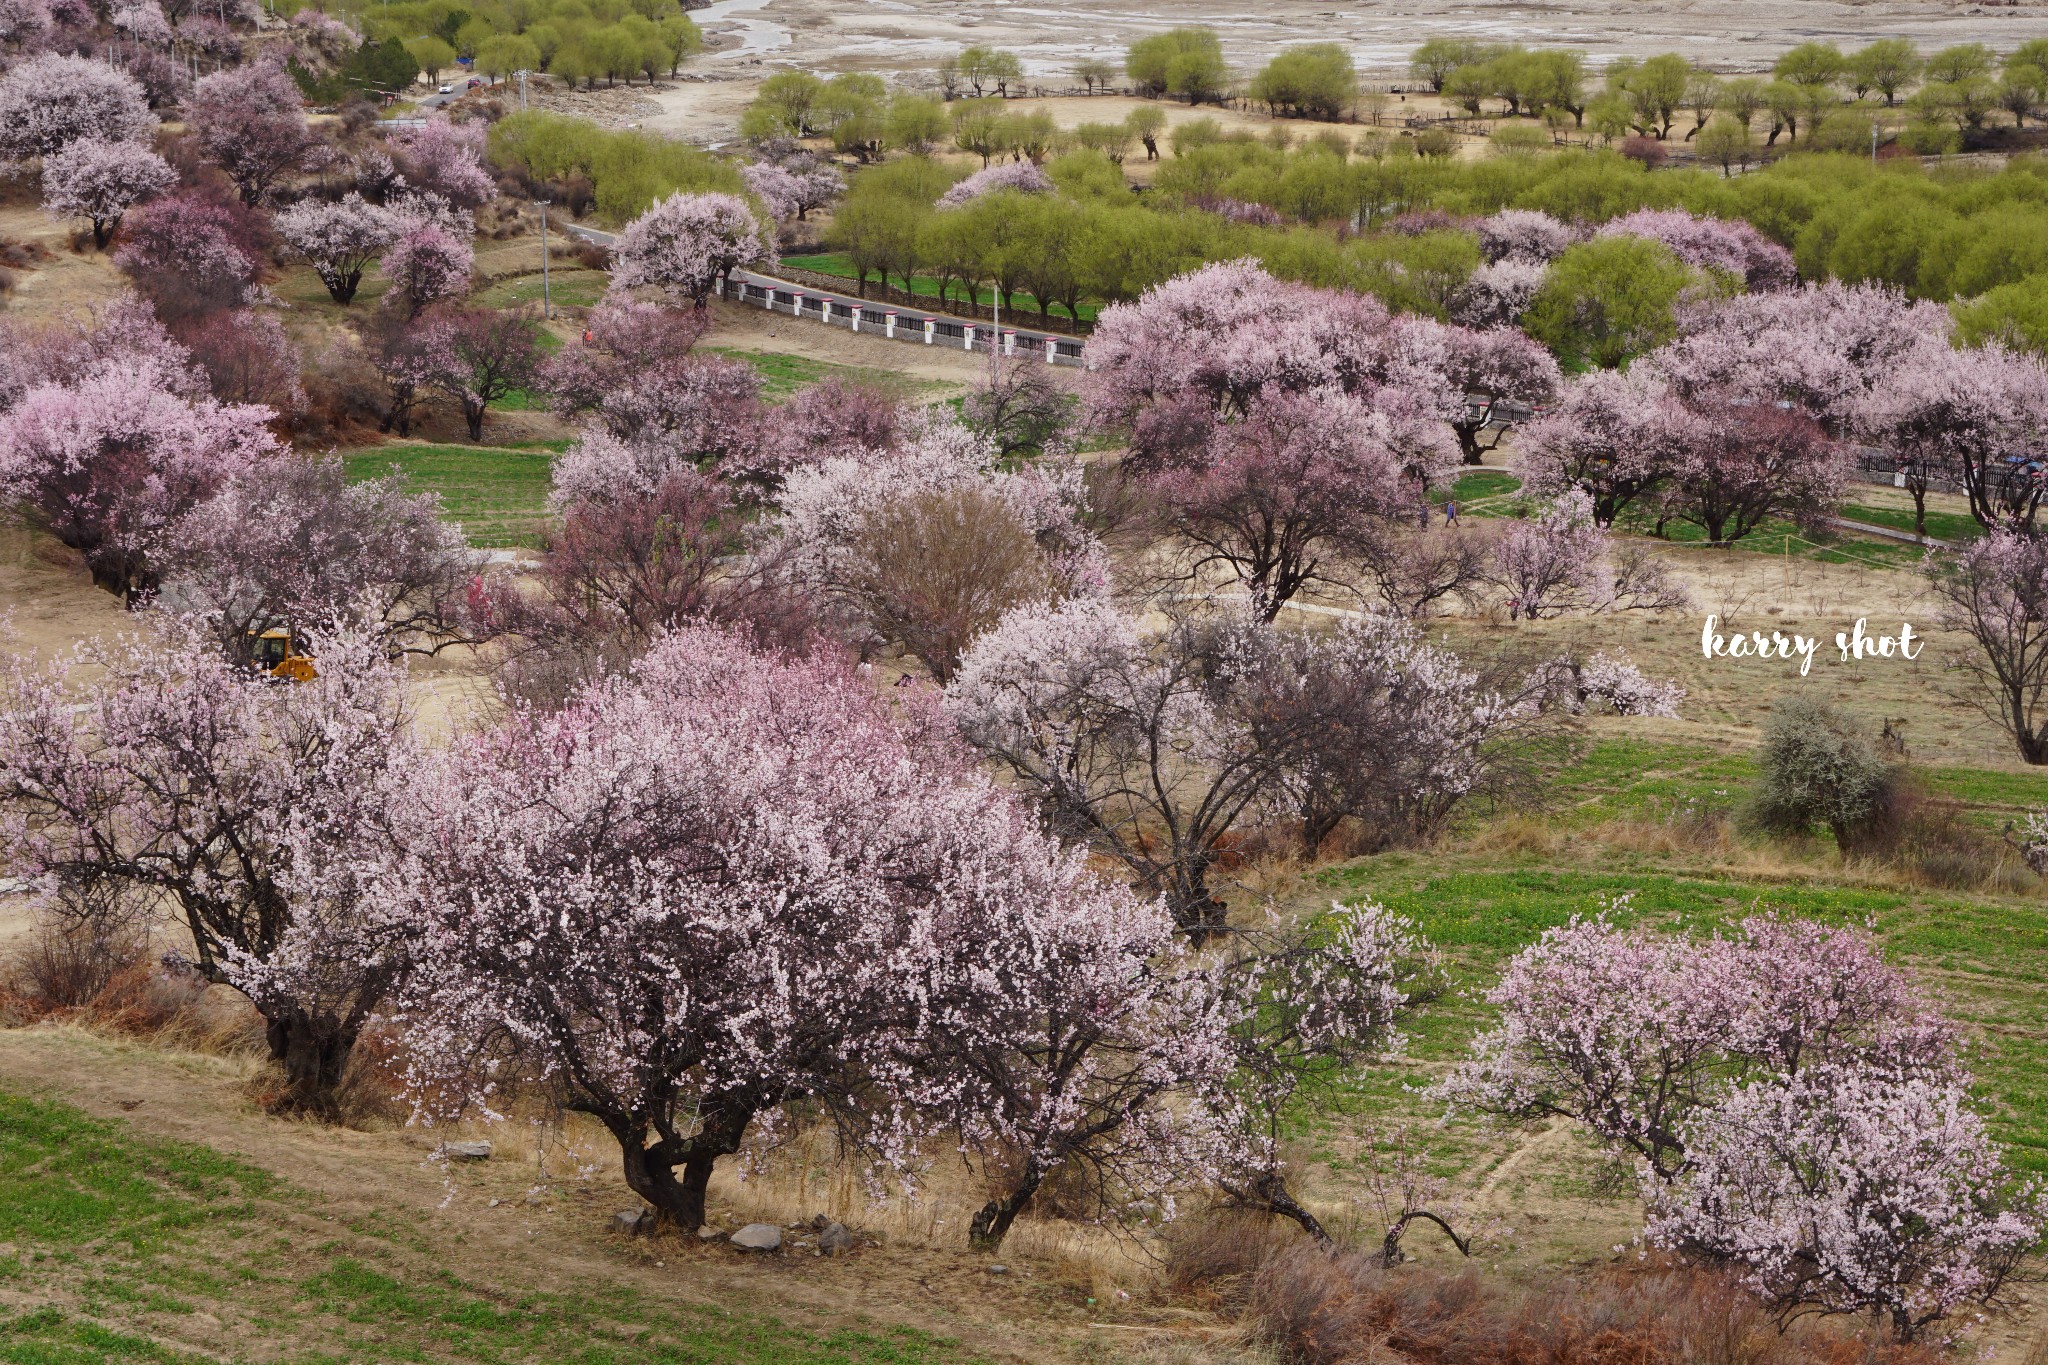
<point x="314" y="1054"/>
<point x="473" y="413"/>
<point x="1269" y="1192"/>
<point x="1390" y="1250"/>
<point x="992" y="1223"/>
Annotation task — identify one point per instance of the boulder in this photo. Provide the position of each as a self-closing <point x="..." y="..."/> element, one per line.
<point x="633" y="1222"/>
<point x="466" y="1151"/>
<point x="758" y="1237"/>
<point x="834" y="1240"/>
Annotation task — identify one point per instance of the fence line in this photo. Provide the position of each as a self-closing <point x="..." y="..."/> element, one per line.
<point x="927" y="330"/>
<point x="886" y="293"/>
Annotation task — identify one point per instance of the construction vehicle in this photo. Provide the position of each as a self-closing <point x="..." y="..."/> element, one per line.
<point x="276" y="653"/>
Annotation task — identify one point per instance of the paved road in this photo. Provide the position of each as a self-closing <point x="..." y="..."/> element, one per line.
<point x="907" y="319"/>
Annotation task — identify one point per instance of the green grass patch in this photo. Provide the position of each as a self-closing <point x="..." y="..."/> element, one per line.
<point x="1023" y="304"/>
<point x="1940" y="525"/>
<point x="498" y="494"/>
<point x="100" y="1220"/>
<point x="568" y="288"/>
<point x="1775" y="536"/>
<point x="1479" y="483"/>
<point x="782" y="374"/>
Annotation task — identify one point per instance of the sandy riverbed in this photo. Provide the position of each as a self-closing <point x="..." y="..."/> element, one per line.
<point x="904" y="38"/>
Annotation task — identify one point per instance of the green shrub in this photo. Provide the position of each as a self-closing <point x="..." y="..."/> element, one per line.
<point x="1817" y="767"/>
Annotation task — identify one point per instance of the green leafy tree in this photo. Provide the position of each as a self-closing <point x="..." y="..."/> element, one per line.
<point x="1181" y="61"/>
<point x="987" y="69"/>
<point x="782" y="107"/>
<point x="915" y="123"/>
<point x="1311" y="80"/>
<point x="1814" y="63"/>
<point x="431" y="53"/>
<point x="507" y="53"/>
<point x="2014" y="315"/>
<point x="1887" y="66"/>
<point x="1146" y="123"/>
<point x="1608" y="300"/>
<point x="978" y="128"/>
<point x="1436" y="59"/>
<point x="1726" y="143"/>
<point x="1095" y="74"/>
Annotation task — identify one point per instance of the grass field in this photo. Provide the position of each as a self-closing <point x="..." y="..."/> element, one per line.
<point x="116" y="1247"/>
<point x="782" y="374"/>
<point x="1025" y="304"/>
<point x="1940" y="525"/>
<point x="498" y="494"/>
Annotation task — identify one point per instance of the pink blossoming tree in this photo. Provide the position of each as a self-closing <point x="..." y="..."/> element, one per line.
<point x="50" y="101"/>
<point x="106" y="464"/>
<point x="1726" y="245"/>
<point x="251" y="123"/>
<point x="686" y="244"/>
<point x="248" y="807"/>
<point x="1018" y="177"/>
<point x="1995" y="592"/>
<point x="338" y="239"/>
<point x="99" y="181"/>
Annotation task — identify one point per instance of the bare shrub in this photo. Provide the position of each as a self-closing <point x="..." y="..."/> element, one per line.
<point x="939" y="569"/>
<point x="1818" y="767"/>
<point x="1319" y="1309"/>
<point x="86" y="933"/>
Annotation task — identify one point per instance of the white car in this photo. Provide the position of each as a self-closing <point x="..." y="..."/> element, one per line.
<point x="446" y="89"/>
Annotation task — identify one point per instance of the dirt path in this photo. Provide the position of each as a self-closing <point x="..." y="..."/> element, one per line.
<point x="494" y="1223"/>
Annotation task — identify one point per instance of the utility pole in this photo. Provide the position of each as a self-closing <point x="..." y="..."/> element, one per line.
<point x="547" y="298"/>
<point x="1873" y="142"/>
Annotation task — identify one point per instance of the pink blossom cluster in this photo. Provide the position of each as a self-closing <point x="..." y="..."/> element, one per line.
<point x="1797" y="1107"/>
<point x="1728" y="246"/>
<point x="827" y="503"/>
<point x="100" y="181"/>
<point x="1498" y="293"/>
<point x="1524" y="235"/>
<point x="687" y="243"/>
<point x="1019" y="177"/>
<point x="446" y="159"/>
<point x="51" y="100"/>
<point x="110" y="450"/>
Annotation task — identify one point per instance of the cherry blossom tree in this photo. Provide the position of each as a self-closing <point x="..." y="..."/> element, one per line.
<point x="1092" y="716"/>
<point x="831" y="418"/>
<point x="1226" y="334"/>
<point x="1637" y="1034"/>
<point x="247" y="807"/>
<point x="291" y="544"/>
<point x="1727" y="245"/>
<point x="1490" y="372"/>
<point x="1523" y="235"/>
<point x="251" y="123"/>
<point x="426" y="265"/>
<point x="99" y="181"/>
<point x="621" y="570"/>
<point x="338" y="239"/>
<point x="248" y="359"/>
<point x="408" y="359"/>
<point x="778" y="190"/>
<point x="728" y="884"/>
<point x="1753" y="462"/>
<point x="446" y="159"/>
<point x="1995" y="592"/>
<point x="1018" y="177"/>
<point x="928" y="543"/>
<point x="686" y="244"/>
<point x="50" y="101"/>
<point x="1976" y="417"/>
<point x="123" y="339"/>
<point x="1578" y="683"/>
<point x="143" y="23"/>
<point x="1563" y="560"/>
<point x="1282" y="499"/>
<point x="188" y="253"/>
<point x="107" y="463"/>
<point x="1617" y="435"/>
<point x="23" y="20"/>
<point x="1853" y="1190"/>
<point x="478" y="356"/>
<point x="1498" y="293"/>
<point x="635" y="372"/>
<point x="1823" y="348"/>
<point x="1378" y="728"/>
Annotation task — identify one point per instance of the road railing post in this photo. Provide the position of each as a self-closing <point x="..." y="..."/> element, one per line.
<point x="1009" y="343"/>
<point x="967" y="338"/>
<point x="889" y="324"/>
<point x="931" y="331"/>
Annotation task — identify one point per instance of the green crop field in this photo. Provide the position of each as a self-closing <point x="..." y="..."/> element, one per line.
<point x="498" y="494"/>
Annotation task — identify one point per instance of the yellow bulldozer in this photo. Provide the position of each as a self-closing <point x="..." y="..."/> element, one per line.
<point x="276" y="653"/>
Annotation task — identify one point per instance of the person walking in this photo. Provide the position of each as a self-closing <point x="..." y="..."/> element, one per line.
<point x="1451" y="512"/>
